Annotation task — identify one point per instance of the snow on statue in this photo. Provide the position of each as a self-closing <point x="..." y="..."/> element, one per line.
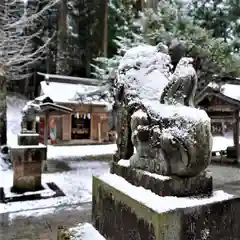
<point x="29" y="113"/>
<point x="156" y="114"/>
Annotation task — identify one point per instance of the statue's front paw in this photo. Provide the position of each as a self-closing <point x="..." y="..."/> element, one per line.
<point x="137" y="161"/>
<point x="159" y="164"/>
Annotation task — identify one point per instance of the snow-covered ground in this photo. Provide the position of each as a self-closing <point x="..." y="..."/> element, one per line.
<point x="58" y="152"/>
<point x="85" y="231"/>
<point x="76" y="184"/>
<point x="222" y="142"/>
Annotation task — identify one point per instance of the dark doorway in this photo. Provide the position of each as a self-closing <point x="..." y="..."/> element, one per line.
<point x="81" y="126"/>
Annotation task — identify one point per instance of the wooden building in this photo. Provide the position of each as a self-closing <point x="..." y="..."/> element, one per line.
<point x="88" y="121"/>
<point x="222" y="104"/>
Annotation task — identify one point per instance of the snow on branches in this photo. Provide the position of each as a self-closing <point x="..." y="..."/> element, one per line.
<point x="17" y="53"/>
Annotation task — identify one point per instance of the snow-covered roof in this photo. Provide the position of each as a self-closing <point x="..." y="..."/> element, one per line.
<point x="69" y="93"/>
<point x="229" y="90"/>
<point x="67" y="79"/>
<point x="44" y="107"/>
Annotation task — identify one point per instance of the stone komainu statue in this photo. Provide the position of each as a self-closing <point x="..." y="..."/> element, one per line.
<point x="156" y="114"/>
<point x="29" y="113"/>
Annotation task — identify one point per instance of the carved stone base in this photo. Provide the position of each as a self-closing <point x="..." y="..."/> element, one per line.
<point x="163" y="185"/>
<point x="28" y="139"/>
<point x="27" y="167"/>
<point x="122" y="211"/>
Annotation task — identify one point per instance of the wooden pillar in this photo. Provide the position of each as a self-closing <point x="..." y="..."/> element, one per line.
<point x="99" y="132"/>
<point x="46" y="129"/>
<point x="222" y="125"/>
<point x="91" y="126"/>
<point x="66" y="127"/>
<point x="70" y="127"/>
<point x="92" y="118"/>
<point x="45" y="137"/>
<point x="236" y="136"/>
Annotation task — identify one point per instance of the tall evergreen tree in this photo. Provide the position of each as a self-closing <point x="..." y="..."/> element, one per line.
<point x="213" y="56"/>
<point x="86" y="22"/>
<point x="46" y="25"/>
<point x="171" y="22"/>
<point x="212" y="15"/>
<point x="221" y="17"/>
<point x="124" y="32"/>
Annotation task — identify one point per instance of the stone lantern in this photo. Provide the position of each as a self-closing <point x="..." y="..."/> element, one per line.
<point x="28" y="154"/>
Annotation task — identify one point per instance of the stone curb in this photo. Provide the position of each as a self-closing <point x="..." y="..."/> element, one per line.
<point x="80" y="204"/>
<point x="102" y="157"/>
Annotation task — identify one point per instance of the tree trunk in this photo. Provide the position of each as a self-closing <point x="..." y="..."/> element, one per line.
<point x="105" y="33"/>
<point x="62" y="64"/>
<point x="3" y="110"/>
<point x="139" y="5"/>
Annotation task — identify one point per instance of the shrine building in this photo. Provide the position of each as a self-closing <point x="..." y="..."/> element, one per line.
<point x="222" y="104"/>
<point x="88" y="121"/>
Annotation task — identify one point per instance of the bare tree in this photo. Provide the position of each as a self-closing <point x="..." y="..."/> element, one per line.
<point x="17" y="53"/>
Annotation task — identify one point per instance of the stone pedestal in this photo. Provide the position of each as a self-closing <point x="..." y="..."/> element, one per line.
<point x="27" y="160"/>
<point x="25" y="139"/>
<point x="163" y="185"/>
<point x="122" y="211"/>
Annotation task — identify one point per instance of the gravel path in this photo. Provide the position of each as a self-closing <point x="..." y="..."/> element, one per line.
<point x="43" y="224"/>
<point x="43" y="227"/>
